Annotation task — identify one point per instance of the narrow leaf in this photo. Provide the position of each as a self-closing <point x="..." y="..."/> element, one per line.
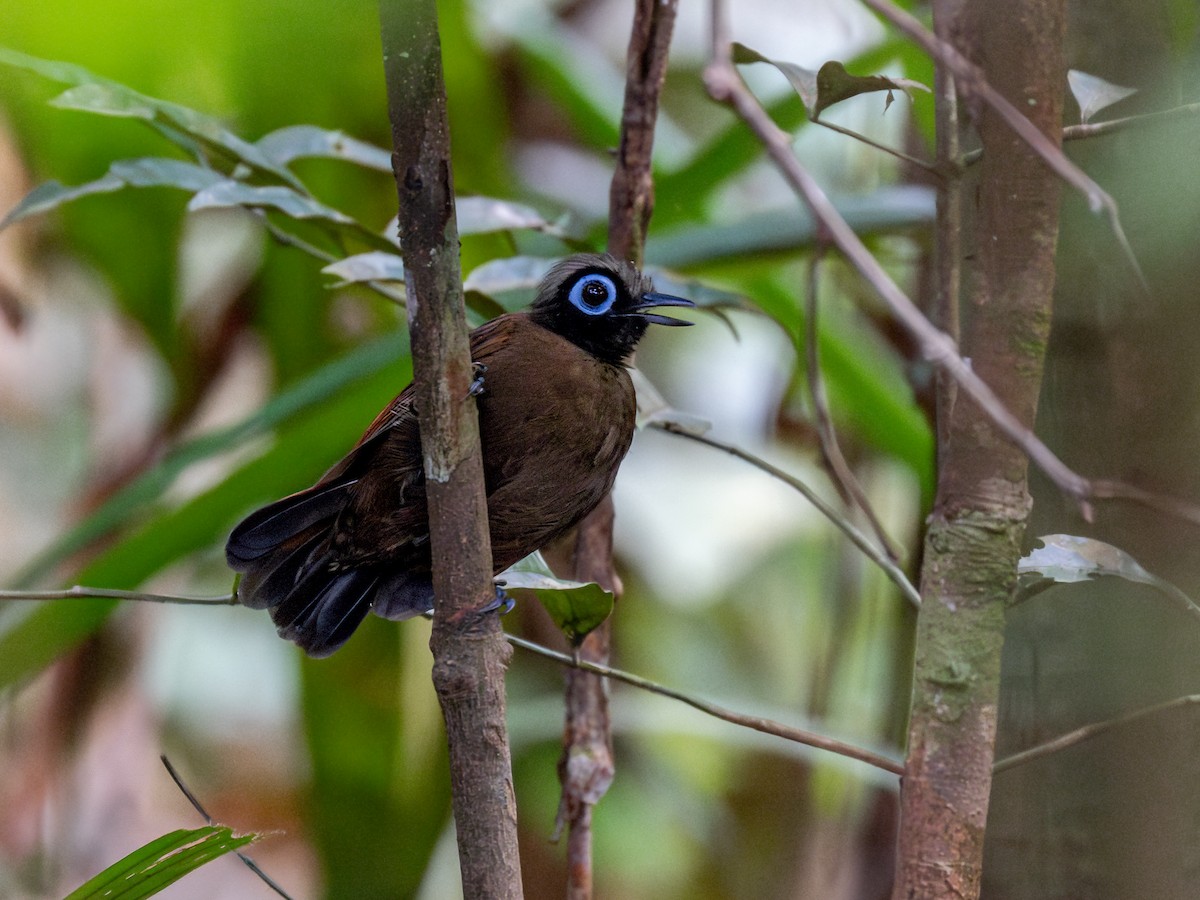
<point x="1094" y="94"/>
<point x="835" y="84"/>
<point x="377" y="265"/>
<point x="144" y="172"/>
<point x="95" y="94"/>
<point x="163" y="861"/>
<point x="308" y="141"/>
<point x="229" y="192"/>
<point x="577" y="607"/>
<point x="486" y="215"/>
<point x="53" y="194"/>
<point x="514" y="273"/>
<point x="802" y="80"/>
<point x="1068" y="558"/>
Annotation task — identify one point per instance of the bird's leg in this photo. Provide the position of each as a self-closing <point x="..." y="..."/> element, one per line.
<point x="476" y="388"/>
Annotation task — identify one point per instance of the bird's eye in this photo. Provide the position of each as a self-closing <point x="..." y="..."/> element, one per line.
<point x="593" y="294"/>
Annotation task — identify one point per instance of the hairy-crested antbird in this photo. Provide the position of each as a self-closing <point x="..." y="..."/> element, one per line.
<point x="556" y="417"/>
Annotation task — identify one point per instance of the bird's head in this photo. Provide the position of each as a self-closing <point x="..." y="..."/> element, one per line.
<point x="601" y="304"/>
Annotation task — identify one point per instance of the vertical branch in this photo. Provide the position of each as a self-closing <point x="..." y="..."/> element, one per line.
<point x="982" y="505"/>
<point x="586" y="768"/>
<point x="470" y="653"/>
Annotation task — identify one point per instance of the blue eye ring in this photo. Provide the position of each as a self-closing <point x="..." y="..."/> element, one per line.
<point x="593" y="294"/>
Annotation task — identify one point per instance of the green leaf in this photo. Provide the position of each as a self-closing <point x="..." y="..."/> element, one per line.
<point x="486" y="215"/>
<point x="163" y="861"/>
<point x="1068" y="558"/>
<point x="802" y="80"/>
<point x="830" y="84"/>
<point x="577" y="607"/>
<point x="835" y="84"/>
<point x="377" y="265"/>
<point x="144" y="172"/>
<point x="230" y="192"/>
<point x="513" y="273"/>
<point x="95" y="94"/>
<point x="309" y="141"/>
<point x="1093" y="93"/>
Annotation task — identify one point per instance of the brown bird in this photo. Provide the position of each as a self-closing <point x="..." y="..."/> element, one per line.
<point x="556" y="417"/>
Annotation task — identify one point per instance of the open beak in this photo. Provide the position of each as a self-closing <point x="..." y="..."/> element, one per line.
<point x="652" y="301"/>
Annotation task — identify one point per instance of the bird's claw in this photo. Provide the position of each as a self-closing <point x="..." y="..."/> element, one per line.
<point x="502" y="602"/>
<point x="478" y="369"/>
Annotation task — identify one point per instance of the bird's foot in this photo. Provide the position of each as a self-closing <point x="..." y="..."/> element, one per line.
<point x="502" y="602"/>
<point x="478" y="369"/>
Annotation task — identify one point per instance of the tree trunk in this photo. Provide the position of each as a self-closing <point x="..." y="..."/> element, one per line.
<point x="982" y="503"/>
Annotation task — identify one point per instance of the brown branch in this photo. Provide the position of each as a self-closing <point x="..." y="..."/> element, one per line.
<point x="725" y="86"/>
<point x="1087" y="732"/>
<point x="469" y="650"/>
<point x="586" y="768"/>
<point x="80" y="592"/>
<point x="982" y="505"/>
<point x="757" y="723"/>
<point x="844" y="477"/>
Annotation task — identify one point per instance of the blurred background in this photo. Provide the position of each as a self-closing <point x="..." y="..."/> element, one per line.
<point x="162" y="373"/>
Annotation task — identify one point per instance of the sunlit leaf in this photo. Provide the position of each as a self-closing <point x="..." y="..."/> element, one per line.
<point x="163" y="861"/>
<point x="307" y="141"/>
<point x="483" y="215"/>
<point x="145" y="172"/>
<point x="513" y="273"/>
<point x="52" y="194"/>
<point x="1068" y="558"/>
<point x="577" y="607"/>
<point x="1093" y="93"/>
<point x="230" y="192"/>
<point x="95" y="94"/>
<point x="377" y="265"/>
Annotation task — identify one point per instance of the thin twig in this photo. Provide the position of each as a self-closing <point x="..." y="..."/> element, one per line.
<point x="757" y="723"/>
<point x="1096" y="129"/>
<point x="892" y="151"/>
<point x="1079" y="735"/>
<point x="290" y="240"/>
<point x="972" y="81"/>
<point x="78" y="591"/>
<point x="725" y="86"/>
<point x="847" y="527"/>
<point x="208" y="820"/>
<point x="852" y="491"/>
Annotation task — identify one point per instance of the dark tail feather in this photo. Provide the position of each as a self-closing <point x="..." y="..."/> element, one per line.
<point x="268" y="581"/>
<point x="325" y="607"/>
<point x="403" y="596"/>
<point x="269" y="528"/>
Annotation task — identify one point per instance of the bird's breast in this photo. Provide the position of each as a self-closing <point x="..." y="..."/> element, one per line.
<point x="555" y="423"/>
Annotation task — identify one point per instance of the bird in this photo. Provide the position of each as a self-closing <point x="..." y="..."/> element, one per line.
<point x="556" y="417"/>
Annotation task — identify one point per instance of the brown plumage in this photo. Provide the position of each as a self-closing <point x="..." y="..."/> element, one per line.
<point x="556" y="417"/>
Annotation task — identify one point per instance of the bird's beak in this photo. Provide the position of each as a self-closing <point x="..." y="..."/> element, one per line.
<point x="651" y="301"/>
